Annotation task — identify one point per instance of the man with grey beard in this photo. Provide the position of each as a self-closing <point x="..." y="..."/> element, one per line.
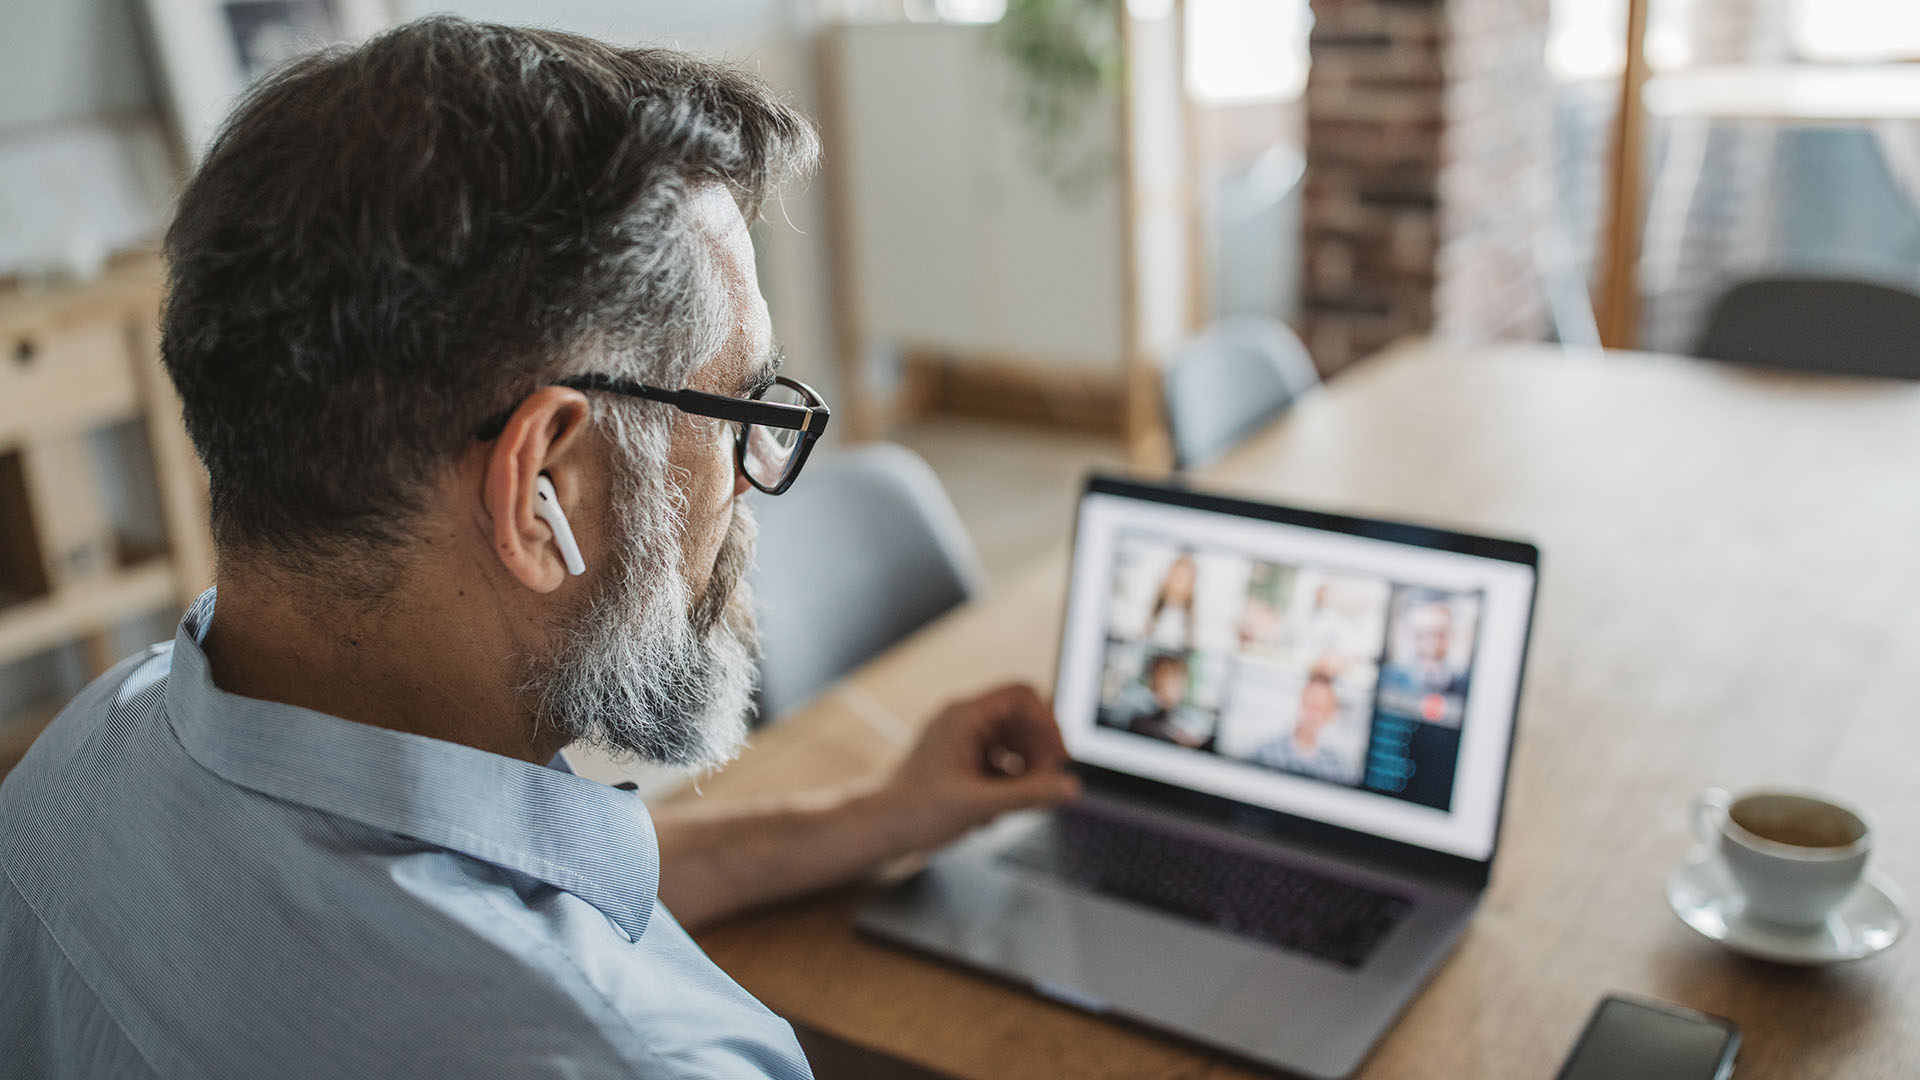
<point x="465" y="327"/>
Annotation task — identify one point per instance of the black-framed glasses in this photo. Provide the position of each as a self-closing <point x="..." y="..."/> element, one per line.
<point x="777" y="427"/>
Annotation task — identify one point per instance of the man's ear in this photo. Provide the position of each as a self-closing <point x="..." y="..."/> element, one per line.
<point x="541" y="437"/>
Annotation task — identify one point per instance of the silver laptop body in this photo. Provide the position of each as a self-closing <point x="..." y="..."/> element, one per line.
<point x="1287" y="825"/>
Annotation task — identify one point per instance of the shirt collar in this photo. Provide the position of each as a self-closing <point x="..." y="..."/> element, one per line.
<point x="580" y="836"/>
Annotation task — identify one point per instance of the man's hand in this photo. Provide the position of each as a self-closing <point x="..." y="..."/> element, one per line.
<point x="977" y="759"/>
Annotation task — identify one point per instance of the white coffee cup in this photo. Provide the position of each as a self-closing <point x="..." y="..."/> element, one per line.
<point x="1794" y="855"/>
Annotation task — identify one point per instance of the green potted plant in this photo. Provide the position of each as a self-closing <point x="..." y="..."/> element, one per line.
<point x="1067" y="63"/>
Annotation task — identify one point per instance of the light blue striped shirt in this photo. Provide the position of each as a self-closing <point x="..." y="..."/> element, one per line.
<point x="201" y="884"/>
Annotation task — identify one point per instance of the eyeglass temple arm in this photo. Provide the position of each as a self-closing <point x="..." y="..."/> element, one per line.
<point x="810" y="420"/>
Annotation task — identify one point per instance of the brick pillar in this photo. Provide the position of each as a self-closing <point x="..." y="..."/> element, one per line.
<point x="1373" y="164"/>
<point x="1428" y="172"/>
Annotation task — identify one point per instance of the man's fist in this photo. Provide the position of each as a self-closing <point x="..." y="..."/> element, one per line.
<point x="978" y="759"/>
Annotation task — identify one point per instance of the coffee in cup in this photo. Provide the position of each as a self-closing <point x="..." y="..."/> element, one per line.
<point x="1795" y="856"/>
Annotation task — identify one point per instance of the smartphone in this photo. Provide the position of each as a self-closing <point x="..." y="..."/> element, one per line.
<point x="1627" y="1039"/>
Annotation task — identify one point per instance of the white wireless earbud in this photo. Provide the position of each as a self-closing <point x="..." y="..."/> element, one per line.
<point x="546" y="507"/>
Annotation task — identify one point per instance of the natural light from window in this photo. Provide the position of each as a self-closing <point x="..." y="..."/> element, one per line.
<point x="1857" y="30"/>
<point x="1246" y="51"/>
<point x="1587" y="38"/>
<point x="970" y="11"/>
<point x="1239" y="52"/>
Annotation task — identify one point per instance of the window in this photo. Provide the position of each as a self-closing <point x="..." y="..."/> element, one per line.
<point x="1587" y="39"/>
<point x="1246" y="51"/>
<point x="970" y="11"/>
<point x="1856" y="30"/>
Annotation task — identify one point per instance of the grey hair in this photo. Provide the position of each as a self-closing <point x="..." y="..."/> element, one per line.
<point x="675" y="275"/>
<point x="388" y="245"/>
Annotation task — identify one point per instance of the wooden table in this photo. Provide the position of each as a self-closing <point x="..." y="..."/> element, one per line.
<point x="1730" y="596"/>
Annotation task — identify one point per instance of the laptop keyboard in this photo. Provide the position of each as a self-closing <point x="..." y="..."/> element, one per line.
<point x="1244" y="894"/>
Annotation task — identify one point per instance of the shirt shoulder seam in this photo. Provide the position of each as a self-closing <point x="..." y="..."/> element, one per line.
<point x="80" y="972"/>
<point x="644" y="1044"/>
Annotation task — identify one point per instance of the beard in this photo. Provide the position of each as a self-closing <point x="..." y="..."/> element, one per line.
<point x="644" y="669"/>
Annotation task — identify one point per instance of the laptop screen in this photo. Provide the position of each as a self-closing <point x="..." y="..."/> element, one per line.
<point x="1355" y="673"/>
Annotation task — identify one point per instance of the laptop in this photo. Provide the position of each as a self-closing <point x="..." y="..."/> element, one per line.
<point x="1294" y="729"/>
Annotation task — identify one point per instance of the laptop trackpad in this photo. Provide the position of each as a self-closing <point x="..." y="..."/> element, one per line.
<point x="1090" y="951"/>
<point x="1144" y="964"/>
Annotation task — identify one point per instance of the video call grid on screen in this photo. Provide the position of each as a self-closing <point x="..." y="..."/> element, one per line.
<point x="1360" y="682"/>
<point x="1309" y="670"/>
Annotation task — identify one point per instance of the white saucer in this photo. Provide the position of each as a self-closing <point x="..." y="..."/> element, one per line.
<point x="1867" y="922"/>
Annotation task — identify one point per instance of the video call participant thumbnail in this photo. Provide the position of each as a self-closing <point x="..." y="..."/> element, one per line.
<point x="1305" y="749"/>
<point x="1415" y="748"/>
<point x="1156" y="705"/>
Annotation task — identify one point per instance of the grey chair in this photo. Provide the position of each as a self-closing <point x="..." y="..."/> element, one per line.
<point x="1836" y="326"/>
<point x="1223" y="385"/>
<point x="865" y="549"/>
